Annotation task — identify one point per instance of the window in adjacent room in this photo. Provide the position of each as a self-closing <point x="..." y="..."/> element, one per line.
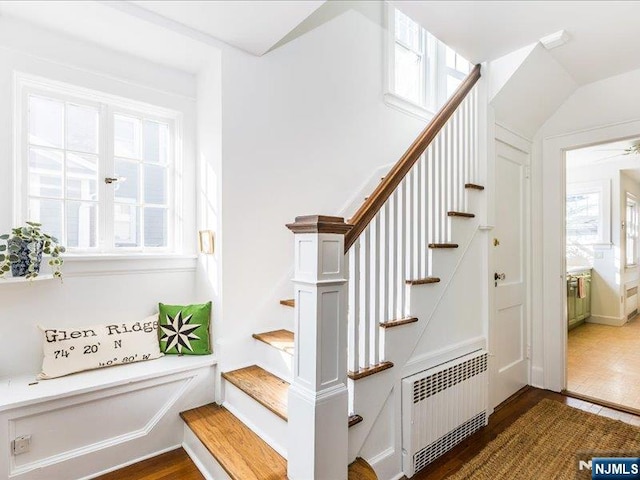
<point x="587" y="211"/>
<point x="631" y="230"/>
<point x="98" y="172"/>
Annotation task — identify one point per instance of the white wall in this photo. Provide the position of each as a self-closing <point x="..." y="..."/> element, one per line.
<point x="596" y="113"/>
<point x="98" y="290"/>
<point x="303" y="127"/>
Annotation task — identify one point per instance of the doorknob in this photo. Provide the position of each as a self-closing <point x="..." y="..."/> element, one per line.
<point x="498" y="276"/>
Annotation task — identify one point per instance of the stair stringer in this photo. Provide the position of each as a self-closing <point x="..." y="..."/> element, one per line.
<point x="370" y="393"/>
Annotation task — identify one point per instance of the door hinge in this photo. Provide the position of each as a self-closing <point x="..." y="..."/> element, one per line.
<point x="528" y="352"/>
<point x="527" y="171"/>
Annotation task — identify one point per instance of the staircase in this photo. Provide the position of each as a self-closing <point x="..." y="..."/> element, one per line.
<point x="364" y="294"/>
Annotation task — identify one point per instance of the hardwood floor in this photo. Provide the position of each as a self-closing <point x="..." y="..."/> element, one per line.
<point x="505" y="415"/>
<point x="172" y="465"/>
<point x="177" y="465"/>
<point x="602" y="362"/>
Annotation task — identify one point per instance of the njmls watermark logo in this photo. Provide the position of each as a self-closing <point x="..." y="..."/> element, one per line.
<point x="610" y="466"/>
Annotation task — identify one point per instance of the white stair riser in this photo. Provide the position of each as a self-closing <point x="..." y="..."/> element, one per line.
<point x="274" y="360"/>
<point x="266" y="424"/>
<point x="206" y="463"/>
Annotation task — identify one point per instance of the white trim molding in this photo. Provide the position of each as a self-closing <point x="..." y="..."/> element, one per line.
<point x="553" y="312"/>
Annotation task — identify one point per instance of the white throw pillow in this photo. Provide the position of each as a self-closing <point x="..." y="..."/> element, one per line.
<point x="74" y="349"/>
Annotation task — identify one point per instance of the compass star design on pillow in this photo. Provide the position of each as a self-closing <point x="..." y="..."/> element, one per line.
<point x="178" y="332"/>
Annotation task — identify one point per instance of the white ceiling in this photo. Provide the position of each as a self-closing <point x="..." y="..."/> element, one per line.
<point x="603" y="154"/>
<point x="177" y="34"/>
<point x="605" y="36"/>
<point x="113" y="28"/>
<point x="252" y="25"/>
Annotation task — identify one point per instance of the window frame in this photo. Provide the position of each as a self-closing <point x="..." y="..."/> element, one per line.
<point x="434" y="74"/>
<point x="108" y="105"/>
<point x="630" y="198"/>
<point x="603" y="188"/>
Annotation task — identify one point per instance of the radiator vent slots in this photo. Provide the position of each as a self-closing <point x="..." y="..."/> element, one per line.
<point x="441" y="407"/>
<point x="428" y="454"/>
<point x="433" y="384"/>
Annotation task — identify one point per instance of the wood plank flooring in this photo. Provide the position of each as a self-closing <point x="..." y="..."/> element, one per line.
<point x="172" y="465"/>
<point x="242" y="454"/>
<point x="280" y="339"/>
<point x="262" y="386"/>
<point x="505" y="415"/>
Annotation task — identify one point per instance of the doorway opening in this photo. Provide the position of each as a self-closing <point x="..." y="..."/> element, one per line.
<point x="603" y="272"/>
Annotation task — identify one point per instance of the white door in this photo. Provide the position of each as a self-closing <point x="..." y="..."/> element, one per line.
<point x="508" y="322"/>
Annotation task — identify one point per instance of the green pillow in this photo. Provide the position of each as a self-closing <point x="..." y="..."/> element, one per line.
<point x="185" y="329"/>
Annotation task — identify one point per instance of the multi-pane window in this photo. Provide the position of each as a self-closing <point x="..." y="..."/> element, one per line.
<point x="584" y="217"/>
<point x="631" y="230"/>
<point x="424" y="72"/>
<point x="63" y="151"/>
<point x="410" y="58"/>
<point x="141" y="196"/>
<point x="99" y="176"/>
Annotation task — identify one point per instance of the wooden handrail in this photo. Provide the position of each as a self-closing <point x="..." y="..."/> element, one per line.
<point x="376" y="200"/>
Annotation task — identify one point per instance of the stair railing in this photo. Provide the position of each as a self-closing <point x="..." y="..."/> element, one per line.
<point x="387" y="243"/>
<point x="350" y="278"/>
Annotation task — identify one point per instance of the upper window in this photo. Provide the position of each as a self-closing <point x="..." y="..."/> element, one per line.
<point x="631" y="231"/>
<point x="98" y="173"/>
<point x="588" y="215"/>
<point x="423" y="71"/>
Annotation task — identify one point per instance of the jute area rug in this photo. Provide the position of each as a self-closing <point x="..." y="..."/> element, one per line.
<point x="547" y="442"/>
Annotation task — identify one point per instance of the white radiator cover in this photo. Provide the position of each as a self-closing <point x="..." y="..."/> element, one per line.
<point x="441" y="407"/>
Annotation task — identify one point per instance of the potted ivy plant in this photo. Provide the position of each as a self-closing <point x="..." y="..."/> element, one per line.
<point x="23" y="249"/>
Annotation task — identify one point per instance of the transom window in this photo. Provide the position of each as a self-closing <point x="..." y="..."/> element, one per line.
<point x="423" y="71"/>
<point x="99" y="174"/>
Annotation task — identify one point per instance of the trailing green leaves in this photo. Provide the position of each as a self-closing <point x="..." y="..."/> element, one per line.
<point x="36" y="243"/>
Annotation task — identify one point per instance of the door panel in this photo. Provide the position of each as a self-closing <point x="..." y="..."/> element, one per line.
<point x="508" y="323"/>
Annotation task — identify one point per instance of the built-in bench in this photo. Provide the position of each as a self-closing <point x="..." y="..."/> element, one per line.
<point x="91" y="422"/>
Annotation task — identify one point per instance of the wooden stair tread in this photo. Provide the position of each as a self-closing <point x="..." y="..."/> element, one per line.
<point x="473" y="186"/>
<point x="280" y="339"/>
<point x="423" y="281"/>
<point x="365" y="372"/>
<point x="288" y="303"/>
<point x="361" y="470"/>
<point x="354" y="420"/>
<point x="461" y="214"/>
<point x="443" y="245"/>
<point x="398" y="322"/>
<point x="240" y="452"/>
<point x="262" y="386"/>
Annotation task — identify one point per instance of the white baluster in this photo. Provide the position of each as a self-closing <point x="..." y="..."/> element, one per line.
<point x="374" y="291"/>
<point x="401" y="249"/>
<point x="365" y="305"/>
<point x="354" y="307"/>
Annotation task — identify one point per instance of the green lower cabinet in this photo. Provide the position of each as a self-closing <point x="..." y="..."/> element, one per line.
<point x="571" y="300"/>
<point x="578" y="309"/>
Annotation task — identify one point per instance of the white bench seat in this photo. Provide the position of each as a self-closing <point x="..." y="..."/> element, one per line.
<point x="25" y="390"/>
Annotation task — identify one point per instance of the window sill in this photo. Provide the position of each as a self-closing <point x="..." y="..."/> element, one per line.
<point x="14" y="280"/>
<point x="408" y="107"/>
<point x="126" y="264"/>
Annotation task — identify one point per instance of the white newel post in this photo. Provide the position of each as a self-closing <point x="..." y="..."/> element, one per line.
<point x="318" y="398"/>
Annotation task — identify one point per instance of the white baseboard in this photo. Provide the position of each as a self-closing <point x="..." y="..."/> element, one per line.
<point x="537" y="377"/>
<point x="605" y="320"/>
<point x="386" y="464"/>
